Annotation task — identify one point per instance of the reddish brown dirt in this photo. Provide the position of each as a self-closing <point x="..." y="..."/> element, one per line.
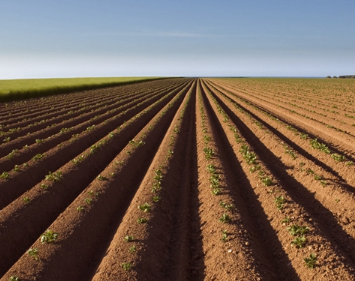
<point x="197" y="228"/>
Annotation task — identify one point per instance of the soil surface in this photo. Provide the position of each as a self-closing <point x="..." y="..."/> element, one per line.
<point x="180" y="179"/>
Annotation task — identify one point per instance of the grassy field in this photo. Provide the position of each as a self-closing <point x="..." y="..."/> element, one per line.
<point x="28" y="88"/>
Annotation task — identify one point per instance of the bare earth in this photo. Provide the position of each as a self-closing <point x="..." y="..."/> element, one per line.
<point x="180" y="179"/>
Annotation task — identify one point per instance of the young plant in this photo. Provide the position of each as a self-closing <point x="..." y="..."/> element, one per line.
<point x="128" y="238"/>
<point x="338" y="157"/>
<point x="311" y="261"/>
<point x="4" y="176"/>
<point x="211" y="168"/>
<point x="38" y="157"/>
<point x="225" y="218"/>
<point x="26" y="200"/>
<point x="224" y="236"/>
<point x="44" y="186"/>
<point x="132" y="249"/>
<point x="209" y="152"/>
<point x="156" y="198"/>
<point x="49" y="236"/>
<point x="280" y="201"/>
<point x="80" y="209"/>
<point x="254" y="168"/>
<point x="267" y="181"/>
<point x="286" y="220"/>
<point x="127" y="266"/>
<point x="14" y="278"/>
<point x="214" y="180"/>
<point x="216" y="191"/>
<point x="297" y="230"/>
<point x="56" y="176"/>
<point x="33" y="253"/>
<point x="145" y="207"/>
<point x="101" y="178"/>
<point x="300" y="241"/>
<point x="228" y="207"/>
<point x="142" y="220"/>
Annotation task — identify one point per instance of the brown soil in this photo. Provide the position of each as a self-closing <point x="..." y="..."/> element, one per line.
<point x="223" y="217"/>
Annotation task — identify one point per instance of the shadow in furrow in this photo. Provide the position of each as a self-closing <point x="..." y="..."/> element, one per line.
<point x="299" y="129"/>
<point x="300" y="150"/>
<point x="324" y="218"/>
<point x="253" y="216"/>
<point x="186" y="254"/>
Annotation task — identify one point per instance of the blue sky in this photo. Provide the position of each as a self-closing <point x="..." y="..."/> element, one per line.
<point x="91" y="38"/>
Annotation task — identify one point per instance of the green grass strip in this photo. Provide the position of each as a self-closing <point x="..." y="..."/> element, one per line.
<point x="30" y="88"/>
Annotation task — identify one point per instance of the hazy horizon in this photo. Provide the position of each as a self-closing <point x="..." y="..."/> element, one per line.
<point x="41" y="39"/>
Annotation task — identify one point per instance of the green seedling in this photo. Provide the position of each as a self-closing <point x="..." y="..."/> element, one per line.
<point x="4" y="176"/>
<point x="254" y="168"/>
<point x="291" y="152"/>
<point x="145" y="207"/>
<point x="33" y="253"/>
<point x="280" y="201"/>
<point x="297" y="230"/>
<point x="128" y="238"/>
<point x="126" y="266"/>
<point x="224" y="236"/>
<point x="142" y="220"/>
<point x="156" y="198"/>
<point x="228" y="207"/>
<point x="12" y="153"/>
<point x="209" y="152"/>
<point x="38" y="157"/>
<point x="286" y="220"/>
<point x="323" y="182"/>
<point x="316" y="177"/>
<point x="214" y="180"/>
<point x="225" y="218"/>
<point x="132" y="249"/>
<point x="311" y="261"/>
<point x="14" y="278"/>
<point x="216" y="191"/>
<point x="26" y="200"/>
<point x="44" y="186"/>
<point x="317" y="145"/>
<point x="88" y="201"/>
<point x="92" y="193"/>
<point x="49" y="236"/>
<point x="39" y="141"/>
<point x="300" y="241"/>
<point x="80" y="209"/>
<point x="337" y="200"/>
<point x="261" y="173"/>
<point x="267" y="181"/>
<point x="310" y="171"/>
<point x="349" y="163"/>
<point x="56" y="176"/>
<point x="338" y="157"/>
<point x="206" y="138"/>
<point x="211" y="168"/>
<point x="101" y="178"/>
<point x="78" y="160"/>
<point x="17" y="168"/>
<point x="88" y="129"/>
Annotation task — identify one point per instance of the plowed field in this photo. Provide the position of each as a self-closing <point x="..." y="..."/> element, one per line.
<point x="180" y="179"/>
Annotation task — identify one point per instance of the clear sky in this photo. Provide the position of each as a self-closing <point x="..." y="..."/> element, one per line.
<point x="82" y="38"/>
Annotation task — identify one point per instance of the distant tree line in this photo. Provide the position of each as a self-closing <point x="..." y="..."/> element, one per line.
<point x="343" y="76"/>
